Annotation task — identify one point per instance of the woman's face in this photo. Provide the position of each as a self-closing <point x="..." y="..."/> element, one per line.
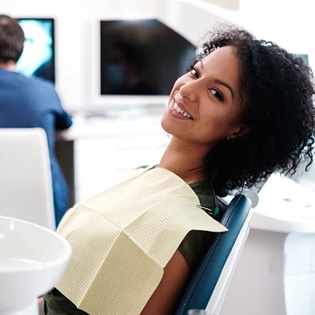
<point x="205" y="105"/>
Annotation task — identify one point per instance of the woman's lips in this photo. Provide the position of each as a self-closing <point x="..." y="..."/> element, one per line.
<point x="181" y="111"/>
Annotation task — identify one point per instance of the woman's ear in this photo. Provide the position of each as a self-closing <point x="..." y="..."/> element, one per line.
<point x="242" y="130"/>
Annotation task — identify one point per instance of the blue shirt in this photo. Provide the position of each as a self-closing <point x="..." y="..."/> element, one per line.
<point x="33" y="102"/>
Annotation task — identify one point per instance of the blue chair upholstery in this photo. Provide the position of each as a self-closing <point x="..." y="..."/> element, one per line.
<point x="207" y="274"/>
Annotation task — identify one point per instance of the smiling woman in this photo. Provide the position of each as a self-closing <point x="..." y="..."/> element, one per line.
<point x="209" y="100"/>
<point x="149" y="231"/>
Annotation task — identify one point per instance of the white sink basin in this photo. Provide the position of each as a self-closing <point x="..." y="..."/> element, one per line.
<point x="32" y="259"/>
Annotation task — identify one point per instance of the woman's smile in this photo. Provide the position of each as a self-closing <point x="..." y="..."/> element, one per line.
<point x="181" y="110"/>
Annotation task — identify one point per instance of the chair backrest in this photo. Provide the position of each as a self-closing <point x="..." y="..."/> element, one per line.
<point x="25" y="176"/>
<point x="209" y="283"/>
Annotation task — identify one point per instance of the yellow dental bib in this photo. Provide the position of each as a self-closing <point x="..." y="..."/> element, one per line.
<point x="123" y="238"/>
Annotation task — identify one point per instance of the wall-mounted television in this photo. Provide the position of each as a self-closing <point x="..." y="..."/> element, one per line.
<point x="139" y="60"/>
<point x="38" y="57"/>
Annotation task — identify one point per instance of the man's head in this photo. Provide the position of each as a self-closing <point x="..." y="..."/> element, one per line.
<point x="11" y="40"/>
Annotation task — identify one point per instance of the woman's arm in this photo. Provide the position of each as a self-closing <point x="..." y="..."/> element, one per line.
<point x="166" y="297"/>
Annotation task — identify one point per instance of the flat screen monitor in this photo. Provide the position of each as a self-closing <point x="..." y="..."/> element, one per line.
<point x="38" y="56"/>
<point x="140" y="59"/>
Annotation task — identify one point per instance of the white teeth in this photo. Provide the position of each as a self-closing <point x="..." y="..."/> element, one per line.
<point x="179" y="110"/>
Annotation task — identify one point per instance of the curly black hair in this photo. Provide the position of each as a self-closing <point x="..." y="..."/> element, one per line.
<point x="277" y="89"/>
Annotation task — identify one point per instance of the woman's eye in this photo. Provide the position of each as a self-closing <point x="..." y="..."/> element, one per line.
<point x="194" y="72"/>
<point x="217" y="94"/>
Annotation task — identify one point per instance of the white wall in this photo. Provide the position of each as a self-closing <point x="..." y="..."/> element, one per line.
<point x="287" y="22"/>
<point x="76" y="22"/>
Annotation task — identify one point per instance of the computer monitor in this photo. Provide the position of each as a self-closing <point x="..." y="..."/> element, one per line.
<point x="139" y="61"/>
<point x="38" y="57"/>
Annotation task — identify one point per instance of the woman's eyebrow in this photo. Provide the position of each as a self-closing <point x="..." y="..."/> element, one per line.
<point x="226" y="85"/>
<point x="217" y="81"/>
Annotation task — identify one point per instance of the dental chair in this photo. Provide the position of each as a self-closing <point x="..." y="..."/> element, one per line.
<point x="26" y="191"/>
<point x="208" y="285"/>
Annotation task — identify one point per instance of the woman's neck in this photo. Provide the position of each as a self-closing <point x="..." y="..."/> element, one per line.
<point x="185" y="161"/>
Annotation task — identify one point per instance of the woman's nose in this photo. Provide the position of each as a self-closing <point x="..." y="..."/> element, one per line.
<point x="189" y="90"/>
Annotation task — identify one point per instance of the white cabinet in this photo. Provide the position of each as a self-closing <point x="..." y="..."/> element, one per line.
<point x="275" y="274"/>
